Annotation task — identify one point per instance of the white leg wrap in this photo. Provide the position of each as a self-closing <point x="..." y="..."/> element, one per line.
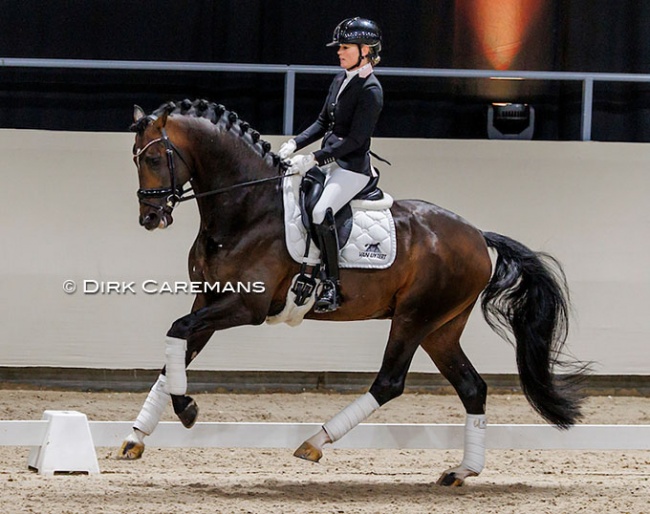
<point x="474" y="451"/>
<point x="351" y="416"/>
<point x="153" y="407"/>
<point x="176" y="377"/>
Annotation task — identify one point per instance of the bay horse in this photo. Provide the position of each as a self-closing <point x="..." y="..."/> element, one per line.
<point x="441" y="269"/>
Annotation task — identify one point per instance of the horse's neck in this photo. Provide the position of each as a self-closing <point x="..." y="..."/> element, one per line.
<point x="240" y="208"/>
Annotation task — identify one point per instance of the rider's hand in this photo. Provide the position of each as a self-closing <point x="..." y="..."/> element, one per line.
<point x="302" y="163"/>
<point x="287" y="149"/>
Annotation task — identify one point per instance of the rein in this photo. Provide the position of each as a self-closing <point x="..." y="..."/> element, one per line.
<point x="175" y="193"/>
<point x="230" y="188"/>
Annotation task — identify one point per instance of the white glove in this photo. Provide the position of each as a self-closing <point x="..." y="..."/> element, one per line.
<point x="287" y="149"/>
<point x="302" y="163"/>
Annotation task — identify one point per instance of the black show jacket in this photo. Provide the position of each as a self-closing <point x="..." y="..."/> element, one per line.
<point x="346" y="125"/>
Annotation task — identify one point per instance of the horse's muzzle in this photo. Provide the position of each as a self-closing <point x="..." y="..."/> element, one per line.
<point x="156" y="219"/>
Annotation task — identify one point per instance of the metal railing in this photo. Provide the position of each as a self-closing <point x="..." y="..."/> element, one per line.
<point x="290" y="72"/>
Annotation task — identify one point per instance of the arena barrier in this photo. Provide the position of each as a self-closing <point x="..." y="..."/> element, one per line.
<point x="66" y="439"/>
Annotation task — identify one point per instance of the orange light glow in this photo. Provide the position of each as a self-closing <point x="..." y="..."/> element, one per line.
<point x="500" y="26"/>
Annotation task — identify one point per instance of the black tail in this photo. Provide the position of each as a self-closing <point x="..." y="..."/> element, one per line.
<point x="528" y="295"/>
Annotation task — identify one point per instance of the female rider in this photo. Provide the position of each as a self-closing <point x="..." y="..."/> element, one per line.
<point x="346" y="124"/>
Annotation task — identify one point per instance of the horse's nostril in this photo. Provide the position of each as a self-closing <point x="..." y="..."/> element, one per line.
<point x="150" y="220"/>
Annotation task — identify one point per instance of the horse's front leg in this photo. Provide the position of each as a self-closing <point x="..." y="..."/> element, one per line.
<point x="228" y="311"/>
<point x="159" y="397"/>
<point x="156" y="403"/>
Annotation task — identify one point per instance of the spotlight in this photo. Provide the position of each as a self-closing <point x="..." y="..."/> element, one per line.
<point x="510" y="121"/>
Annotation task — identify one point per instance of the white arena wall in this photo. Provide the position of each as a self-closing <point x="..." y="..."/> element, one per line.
<point x="69" y="212"/>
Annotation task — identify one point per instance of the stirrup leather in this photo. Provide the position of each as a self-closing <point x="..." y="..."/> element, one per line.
<point x="304" y="286"/>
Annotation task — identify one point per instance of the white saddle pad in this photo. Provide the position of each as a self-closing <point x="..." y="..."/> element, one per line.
<point x="372" y="243"/>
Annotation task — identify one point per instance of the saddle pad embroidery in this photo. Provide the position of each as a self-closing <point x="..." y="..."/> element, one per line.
<point x="372" y="242"/>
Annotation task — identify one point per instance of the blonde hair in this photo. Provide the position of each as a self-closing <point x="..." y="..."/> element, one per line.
<point x="373" y="56"/>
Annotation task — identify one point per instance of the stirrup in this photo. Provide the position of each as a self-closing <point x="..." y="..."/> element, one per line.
<point x="328" y="299"/>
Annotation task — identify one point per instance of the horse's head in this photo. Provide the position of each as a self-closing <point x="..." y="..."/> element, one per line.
<point x="162" y="169"/>
<point x="202" y="142"/>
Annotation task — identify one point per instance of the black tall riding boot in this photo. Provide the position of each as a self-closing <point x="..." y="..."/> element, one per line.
<point x="329" y="298"/>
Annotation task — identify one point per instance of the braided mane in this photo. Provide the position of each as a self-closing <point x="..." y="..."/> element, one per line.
<point x="227" y="121"/>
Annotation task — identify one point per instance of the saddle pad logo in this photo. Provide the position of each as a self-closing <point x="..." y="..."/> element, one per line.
<point x="372" y="251"/>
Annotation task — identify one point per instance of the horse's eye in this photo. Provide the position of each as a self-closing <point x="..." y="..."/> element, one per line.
<point x="153" y="160"/>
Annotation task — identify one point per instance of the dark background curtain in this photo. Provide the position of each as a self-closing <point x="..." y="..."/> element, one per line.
<point x="554" y="35"/>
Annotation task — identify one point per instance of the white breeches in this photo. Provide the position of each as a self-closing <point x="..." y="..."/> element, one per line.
<point x="341" y="186"/>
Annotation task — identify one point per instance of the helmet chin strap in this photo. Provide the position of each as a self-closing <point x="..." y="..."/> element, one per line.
<point x="361" y="58"/>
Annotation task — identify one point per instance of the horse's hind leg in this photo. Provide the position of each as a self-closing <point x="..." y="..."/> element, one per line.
<point x="443" y="346"/>
<point x="389" y="384"/>
<point x="156" y="403"/>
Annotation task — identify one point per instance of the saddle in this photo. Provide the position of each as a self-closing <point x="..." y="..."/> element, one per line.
<point x="366" y="232"/>
<point x="371" y="234"/>
<point x="311" y="189"/>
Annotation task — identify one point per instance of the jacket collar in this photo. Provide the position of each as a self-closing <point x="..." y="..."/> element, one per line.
<point x="349" y="77"/>
<point x="362" y="72"/>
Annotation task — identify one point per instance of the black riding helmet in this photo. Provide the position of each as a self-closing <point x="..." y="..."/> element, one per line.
<point x="359" y="31"/>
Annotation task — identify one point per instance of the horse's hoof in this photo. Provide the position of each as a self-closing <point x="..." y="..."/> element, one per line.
<point x="130" y="450"/>
<point x="189" y="415"/>
<point x="308" y="451"/>
<point x="455" y="477"/>
<point x="450" y="480"/>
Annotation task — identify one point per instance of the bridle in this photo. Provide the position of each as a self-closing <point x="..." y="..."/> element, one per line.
<point x="175" y="193"/>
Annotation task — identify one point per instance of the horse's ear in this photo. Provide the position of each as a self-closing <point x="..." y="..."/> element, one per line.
<point x="160" y="120"/>
<point x="138" y="113"/>
<point x="163" y="118"/>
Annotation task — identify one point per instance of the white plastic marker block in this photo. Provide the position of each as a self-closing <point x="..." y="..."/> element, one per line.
<point x="67" y="446"/>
